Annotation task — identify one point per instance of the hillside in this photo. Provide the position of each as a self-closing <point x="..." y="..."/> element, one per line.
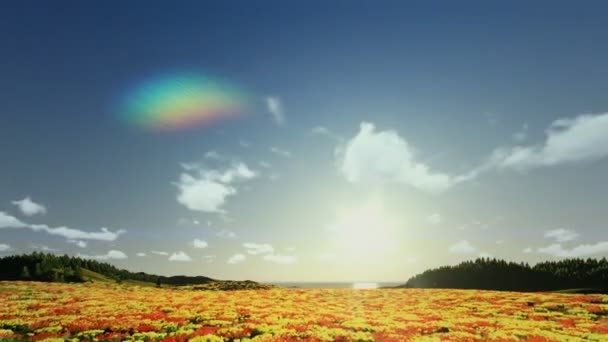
<point x="52" y="268"/>
<point x="590" y="275"/>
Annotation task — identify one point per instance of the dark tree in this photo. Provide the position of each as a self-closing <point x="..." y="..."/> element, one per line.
<point x="25" y="273"/>
<point x="493" y="274"/>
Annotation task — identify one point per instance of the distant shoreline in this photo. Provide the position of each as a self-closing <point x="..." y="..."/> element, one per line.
<point x="328" y="285"/>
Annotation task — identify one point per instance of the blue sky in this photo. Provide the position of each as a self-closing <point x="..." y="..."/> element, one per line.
<point x="411" y="135"/>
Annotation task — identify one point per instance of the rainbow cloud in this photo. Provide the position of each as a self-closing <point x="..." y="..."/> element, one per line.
<point x="182" y="101"/>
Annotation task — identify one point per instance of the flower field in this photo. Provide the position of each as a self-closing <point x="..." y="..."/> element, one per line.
<point x="111" y="312"/>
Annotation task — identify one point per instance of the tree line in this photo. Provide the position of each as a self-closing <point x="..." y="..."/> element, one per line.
<point x="49" y="267"/>
<point x="494" y="274"/>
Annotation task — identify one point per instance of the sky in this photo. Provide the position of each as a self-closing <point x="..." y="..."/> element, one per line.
<point x="303" y="141"/>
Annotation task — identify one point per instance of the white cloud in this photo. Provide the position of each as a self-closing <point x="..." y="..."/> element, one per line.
<point x="561" y="235"/>
<point x="568" y="140"/>
<point x="579" y="251"/>
<point x="324" y="131"/>
<point x="74" y="234"/>
<point x="258" y="248"/>
<point x="209" y="258"/>
<point x="462" y="247"/>
<point x="111" y="255"/>
<point x="208" y="189"/>
<point x="212" y="155"/>
<point x="280" y="152"/>
<point x="320" y="130"/>
<point x="4" y="247"/>
<point x="163" y="253"/>
<point x="527" y="250"/>
<point x="8" y="221"/>
<point x="434" y="219"/>
<point x="203" y="195"/>
<point x="521" y="135"/>
<point x="385" y="156"/>
<point x="44" y="248"/>
<point x="264" y="164"/>
<point x="226" y="234"/>
<point x="412" y="260"/>
<point x="244" y="144"/>
<point x="237" y="259"/>
<point x="275" y="108"/>
<point x="199" y="243"/>
<point x="29" y="208"/>
<point x="180" y="256"/>
<point x="280" y="259"/>
<point x="141" y="254"/>
<point x="79" y="243"/>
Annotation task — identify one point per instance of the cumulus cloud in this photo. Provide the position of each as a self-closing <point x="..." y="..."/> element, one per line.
<point x="521" y="135"/>
<point x="568" y="140"/>
<point x="527" y="250"/>
<point x="280" y="259"/>
<point x="163" y="253"/>
<point x="462" y="247"/>
<point x="561" y="235"/>
<point x="141" y="254"/>
<point x="180" y="256"/>
<point x="74" y="234"/>
<point x="325" y="132"/>
<point x="280" y="152"/>
<point x="434" y="219"/>
<point x="264" y="164"/>
<point x="275" y="108"/>
<point x="207" y="190"/>
<point x="258" y="248"/>
<point x="384" y="156"/>
<point x="79" y="243"/>
<point x="8" y="221"/>
<point x="237" y="259"/>
<point x="44" y="248"/>
<point x="29" y="207"/>
<point x="111" y="255"/>
<point x="557" y="250"/>
<point x="197" y="243"/>
<point x="4" y="247"/>
<point x="226" y="234"/>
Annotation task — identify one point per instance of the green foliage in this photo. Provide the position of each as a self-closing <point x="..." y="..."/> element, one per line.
<point x="493" y="274"/>
<point x="25" y="273"/>
<point x="50" y="267"/>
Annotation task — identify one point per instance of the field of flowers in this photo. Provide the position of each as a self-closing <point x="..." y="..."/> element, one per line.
<point x="111" y="312"/>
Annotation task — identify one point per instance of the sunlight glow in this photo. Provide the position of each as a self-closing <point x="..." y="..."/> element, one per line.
<point x="363" y="286"/>
<point x="366" y="232"/>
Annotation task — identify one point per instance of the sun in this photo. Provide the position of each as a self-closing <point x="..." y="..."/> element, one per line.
<point x="366" y="231"/>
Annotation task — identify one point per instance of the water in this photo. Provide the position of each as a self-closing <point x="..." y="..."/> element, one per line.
<point x="337" y="285"/>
